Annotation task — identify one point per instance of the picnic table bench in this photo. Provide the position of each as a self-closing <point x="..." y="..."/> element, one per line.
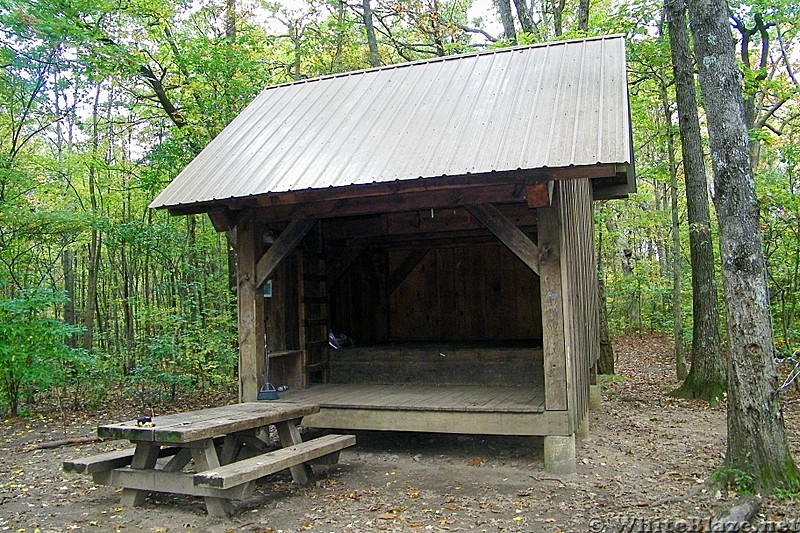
<point x="228" y="445"/>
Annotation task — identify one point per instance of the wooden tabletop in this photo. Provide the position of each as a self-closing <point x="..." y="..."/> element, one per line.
<point x="192" y="426"/>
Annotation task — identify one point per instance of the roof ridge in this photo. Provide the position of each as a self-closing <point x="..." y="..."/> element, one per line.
<point x="453" y="57"/>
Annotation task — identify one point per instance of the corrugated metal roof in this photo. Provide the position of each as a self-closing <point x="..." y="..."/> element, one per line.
<point x="552" y="105"/>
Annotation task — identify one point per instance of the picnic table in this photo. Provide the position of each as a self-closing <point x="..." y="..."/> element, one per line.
<point x="228" y="445"/>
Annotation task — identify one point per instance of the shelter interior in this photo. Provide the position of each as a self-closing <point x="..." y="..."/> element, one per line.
<point x="445" y="309"/>
<point x="427" y="297"/>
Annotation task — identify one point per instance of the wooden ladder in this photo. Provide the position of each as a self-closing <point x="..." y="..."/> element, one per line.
<point x="314" y="316"/>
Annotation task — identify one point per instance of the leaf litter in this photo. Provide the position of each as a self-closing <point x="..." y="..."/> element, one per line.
<point x="647" y="457"/>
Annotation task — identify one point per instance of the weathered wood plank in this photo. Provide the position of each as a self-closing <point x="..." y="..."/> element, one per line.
<point x="144" y="458"/>
<point x="466" y="422"/>
<point x="345" y="258"/>
<point x="286" y="242"/>
<point x="262" y="465"/>
<point x="108" y="460"/>
<point x="552" y="298"/>
<point x="289" y="435"/>
<point x="170" y="482"/>
<point x="205" y="458"/>
<point x="412" y="259"/>
<point x="250" y="309"/>
<point x="508" y="233"/>
<point x="526" y="399"/>
<point x="183" y="428"/>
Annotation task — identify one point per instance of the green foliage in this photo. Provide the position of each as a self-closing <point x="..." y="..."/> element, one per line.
<point x="104" y="103"/>
<point x="734" y="478"/>
<point x="34" y="350"/>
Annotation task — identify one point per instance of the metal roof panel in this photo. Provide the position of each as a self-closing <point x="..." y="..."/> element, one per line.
<point x="553" y="105"/>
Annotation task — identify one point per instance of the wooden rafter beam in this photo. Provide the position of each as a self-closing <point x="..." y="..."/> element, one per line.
<point x="508" y="233"/>
<point x="286" y="242"/>
<point x="222" y="219"/>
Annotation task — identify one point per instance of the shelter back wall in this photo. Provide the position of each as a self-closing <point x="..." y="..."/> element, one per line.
<point x="454" y="293"/>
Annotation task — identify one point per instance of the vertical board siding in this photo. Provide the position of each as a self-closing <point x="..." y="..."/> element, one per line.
<point x="473" y="292"/>
<point x="580" y="292"/>
<point x="458" y="293"/>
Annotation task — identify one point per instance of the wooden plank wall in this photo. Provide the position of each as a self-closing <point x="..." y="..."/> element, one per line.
<point x="359" y="304"/>
<point x="579" y="278"/>
<point x="475" y="292"/>
<point x="464" y="292"/>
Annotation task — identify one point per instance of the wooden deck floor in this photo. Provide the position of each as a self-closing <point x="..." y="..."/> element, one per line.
<point x="451" y="398"/>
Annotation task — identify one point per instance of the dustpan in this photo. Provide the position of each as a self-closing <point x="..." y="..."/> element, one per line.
<point x="268" y="391"/>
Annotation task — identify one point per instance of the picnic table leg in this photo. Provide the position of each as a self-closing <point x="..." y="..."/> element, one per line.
<point x="178" y="461"/>
<point x="144" y="457"/>
<point x="205" y="457"/>
<point x="290" y="435"/>
<point x="230" y="449"/>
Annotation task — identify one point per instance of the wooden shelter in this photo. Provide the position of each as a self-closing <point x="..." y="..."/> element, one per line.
<point x="439" y="213"/>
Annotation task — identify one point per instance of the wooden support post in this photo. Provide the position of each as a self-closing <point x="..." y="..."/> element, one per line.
<point x="252" y="360"/>
<point x="550" y="280"/>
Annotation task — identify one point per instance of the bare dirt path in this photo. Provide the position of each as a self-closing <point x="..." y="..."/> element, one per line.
<point x="646" y="459"/>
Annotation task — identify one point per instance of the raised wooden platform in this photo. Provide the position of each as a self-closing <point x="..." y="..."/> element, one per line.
<point x="470" y="409"/>
<point x="496" y="363"/>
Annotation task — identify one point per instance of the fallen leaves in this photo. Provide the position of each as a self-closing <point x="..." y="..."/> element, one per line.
<point x="477" y="461"/>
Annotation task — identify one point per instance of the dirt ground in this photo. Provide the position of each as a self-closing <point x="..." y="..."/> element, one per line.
<point x="642" y="468"/>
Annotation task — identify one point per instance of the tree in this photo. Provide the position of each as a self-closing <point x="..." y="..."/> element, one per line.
<point x="757" y="444"/>
<point x="706" y="378"/>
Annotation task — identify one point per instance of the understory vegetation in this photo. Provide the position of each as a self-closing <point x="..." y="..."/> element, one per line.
<point x="104" y="103"/>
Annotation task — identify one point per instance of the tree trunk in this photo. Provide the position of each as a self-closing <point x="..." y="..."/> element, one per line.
<point x="524" y="15"/>
<point x="706" y="379"/>
<point x="675" y="266"/>
<point x="95" y="241"/>
<point x="507" y="18"/>
<point x="583" y="15"/>
<point x="756" y="435"/>
<point x="372" y="41"/>
<point x="605" y="361"/>
<point x="558" y="17"/>
<point x="67" y="260"/>
<point x="230" y="19"/>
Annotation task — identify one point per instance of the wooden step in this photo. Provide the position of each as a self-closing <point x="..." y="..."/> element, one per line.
<point x="235" y="474"/>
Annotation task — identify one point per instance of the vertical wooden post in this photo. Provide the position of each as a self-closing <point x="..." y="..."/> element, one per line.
<point x="251" y="309"/>
<point x="552" y="296"/>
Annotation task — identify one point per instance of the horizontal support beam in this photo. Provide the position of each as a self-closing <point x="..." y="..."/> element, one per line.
<point x="618" y="171"/>
<point x="170" y="482"/>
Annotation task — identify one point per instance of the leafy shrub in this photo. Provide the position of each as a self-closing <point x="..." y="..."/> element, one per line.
<point x="34" y="354"/>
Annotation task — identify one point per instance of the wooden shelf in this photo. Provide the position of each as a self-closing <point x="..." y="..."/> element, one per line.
<point x="284" y="353"/>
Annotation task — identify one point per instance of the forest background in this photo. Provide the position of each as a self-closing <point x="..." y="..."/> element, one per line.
<point x="103" y="103"/>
